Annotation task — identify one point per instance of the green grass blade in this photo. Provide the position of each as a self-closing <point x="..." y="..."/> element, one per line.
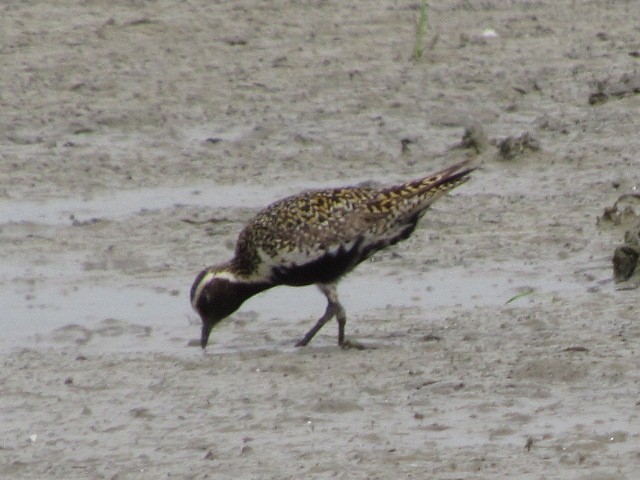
<point x="421" y="31"/>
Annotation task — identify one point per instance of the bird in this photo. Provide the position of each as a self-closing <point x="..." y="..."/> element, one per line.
<point x="316" y="237"/>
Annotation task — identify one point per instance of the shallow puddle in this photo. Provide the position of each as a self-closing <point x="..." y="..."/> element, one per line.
<point x="123" y="203"/>
<point x="37" y="300"/>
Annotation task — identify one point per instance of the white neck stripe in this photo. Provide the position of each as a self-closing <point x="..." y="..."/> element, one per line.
<point x="203" y="281"/>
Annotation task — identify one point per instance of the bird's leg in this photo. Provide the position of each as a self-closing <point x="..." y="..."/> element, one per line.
<point x="341" y="316"/>
<point x="328" y="315"/>
<point x="334" y="309"/>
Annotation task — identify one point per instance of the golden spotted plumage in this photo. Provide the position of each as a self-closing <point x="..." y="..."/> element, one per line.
<point x="317" y="237"/>
<point x="298" y="223"/>
<point x="317" y="220"/>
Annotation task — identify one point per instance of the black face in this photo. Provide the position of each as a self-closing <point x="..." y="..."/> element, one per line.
<point x="217" y="299"/>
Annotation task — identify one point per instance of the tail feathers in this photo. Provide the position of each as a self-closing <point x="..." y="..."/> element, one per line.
<point x="437" y="184"/>
<point x="414" y="197"/>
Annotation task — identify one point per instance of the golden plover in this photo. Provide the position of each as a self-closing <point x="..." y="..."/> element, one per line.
<point x="316" y="237"/>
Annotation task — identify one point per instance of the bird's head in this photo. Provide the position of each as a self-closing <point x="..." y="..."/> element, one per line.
<point x="216" y="293"/>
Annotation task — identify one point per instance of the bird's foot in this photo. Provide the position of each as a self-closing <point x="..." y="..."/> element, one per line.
<point x="302" y="342"/>
<point x="352" y="344"/>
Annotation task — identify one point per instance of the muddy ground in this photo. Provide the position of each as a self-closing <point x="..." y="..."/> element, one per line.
<point x="499" y="345"/>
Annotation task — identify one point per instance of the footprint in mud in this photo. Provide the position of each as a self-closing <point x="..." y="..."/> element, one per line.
<point x="552" y="369"/>
<point x="512" y="147"/>
<point x="611" y="88"/>
<point x="332" y="405"/>
<point x="112" y="327"/>
<point x="80" y="335"/>
<point x="71" y="334"/>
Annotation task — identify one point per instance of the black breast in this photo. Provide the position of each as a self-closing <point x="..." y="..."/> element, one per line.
<point x="326" y="269"/>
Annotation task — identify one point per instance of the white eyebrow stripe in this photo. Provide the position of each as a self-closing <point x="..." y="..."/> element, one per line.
<point x="222" y="274"/>
<point x="226" y="275"/>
